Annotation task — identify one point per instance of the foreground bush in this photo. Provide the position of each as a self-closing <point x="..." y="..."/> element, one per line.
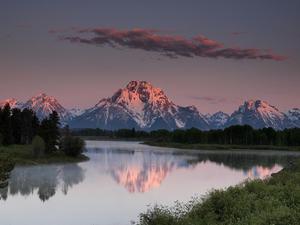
<point x="275" y="201"/>
<point x="38" y="147"/>
<point x="72" y="146"/>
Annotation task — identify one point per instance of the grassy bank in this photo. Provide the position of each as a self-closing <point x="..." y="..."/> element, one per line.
<point x="221" y="147"/>
<point x="22" y="154"/>
<point x="273" y="201"/>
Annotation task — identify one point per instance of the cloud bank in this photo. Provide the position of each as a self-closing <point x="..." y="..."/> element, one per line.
<point x="167" y="45"/>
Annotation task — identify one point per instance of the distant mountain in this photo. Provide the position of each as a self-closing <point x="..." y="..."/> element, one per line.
<point x="217" y="120"/>
<point x="13" y="103"/>
<point x="43" y="105"/>
<point x="142" y="106"/>
<point x="294" y="116"/>
<point x="76" y="111"/>
<point x="259" y="114"/>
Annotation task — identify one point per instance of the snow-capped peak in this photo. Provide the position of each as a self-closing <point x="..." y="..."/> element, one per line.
<point x="140" y="92"/>
<point x="217" y="120"/>
<point x="76" y="111"/>
<point x="258" y="114"/>
<point x="294" y="116"/>
<point x="294" y="113"/>
<point x="13" y="103"/>
<point x="139" y="104"/>
<point x="43" y="105"/>
<point x="137" y="98"/>
<point x="258" y="105"/>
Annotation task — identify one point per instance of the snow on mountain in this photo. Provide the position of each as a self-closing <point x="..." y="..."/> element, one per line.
<point x="294" y="116"/>
<point x="217" y="120"/>
<point x="13" y="103"/>
<point x="43" y="105"/>
<point x="76" y="112"/>
<point x="258" y="114"/>
<point x="140" y="105"/>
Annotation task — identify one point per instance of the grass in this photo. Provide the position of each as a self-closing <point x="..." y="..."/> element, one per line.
<point x="275" y="201"/>
<point x="22" y="154"/>
<point x="221" y="147"/>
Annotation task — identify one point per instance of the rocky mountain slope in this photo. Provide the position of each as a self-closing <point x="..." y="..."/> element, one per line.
<point x="217" y="120"/>
<point x="294" y="116"/>
<point x="142" y="106"/>
<point x="42" y="105"/>
<point x="258" y="114"/>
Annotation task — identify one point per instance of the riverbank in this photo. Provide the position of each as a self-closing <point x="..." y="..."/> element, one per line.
<point x="220" y="147"/>
<point x="104" y="138"/>
<point x="22" y="154"/>
<point x="272" y="201"/>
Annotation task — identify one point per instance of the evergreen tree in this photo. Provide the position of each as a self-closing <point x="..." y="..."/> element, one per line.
<point x="16" y="121"/>
<point x="27" y="129"/>
<point x="49" y="131"/>
<point x="6" y="126"/>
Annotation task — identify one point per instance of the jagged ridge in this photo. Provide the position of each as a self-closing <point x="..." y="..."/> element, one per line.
<point x="258" y="114"/>
<point x="140" y="105"/>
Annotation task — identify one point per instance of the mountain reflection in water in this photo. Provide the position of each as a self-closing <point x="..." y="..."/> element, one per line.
<point x="136" y="169"/>
<point x="140" y="171"/>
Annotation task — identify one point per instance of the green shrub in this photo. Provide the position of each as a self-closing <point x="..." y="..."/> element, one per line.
<point x="273" y="201"/>
<point x="72" y="146"/>
<point x="38" y="146"/>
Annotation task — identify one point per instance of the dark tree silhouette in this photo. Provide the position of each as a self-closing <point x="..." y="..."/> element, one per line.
<point x="49" y="131"/>
<point x="6" y="125"/>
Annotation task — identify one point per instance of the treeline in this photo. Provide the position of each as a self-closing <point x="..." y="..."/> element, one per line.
<point x="23" y="127"/>
<point x="234" y="135"/>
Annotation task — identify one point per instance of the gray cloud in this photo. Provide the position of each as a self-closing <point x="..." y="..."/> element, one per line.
<point x="166" y="45"/>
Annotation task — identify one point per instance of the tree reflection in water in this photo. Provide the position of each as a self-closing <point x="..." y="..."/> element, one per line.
<point x="138" y="171"/>
<point x="44" y="180"/>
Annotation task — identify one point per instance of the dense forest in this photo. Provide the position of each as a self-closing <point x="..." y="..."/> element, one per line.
<point x="234" y="135"/>
<point x="22" y="127"/>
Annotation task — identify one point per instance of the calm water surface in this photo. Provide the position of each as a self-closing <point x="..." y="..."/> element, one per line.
<point x="121" y="180"/>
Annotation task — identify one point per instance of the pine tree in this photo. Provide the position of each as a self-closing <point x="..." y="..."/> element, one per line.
<point x="16" y="121"/>
<point x="6" y="126"/>
<point x="27" y="129"/>
<point x="49" y="131"/>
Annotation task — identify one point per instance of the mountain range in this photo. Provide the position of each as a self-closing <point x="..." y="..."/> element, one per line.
<point x="140" y="105"/>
